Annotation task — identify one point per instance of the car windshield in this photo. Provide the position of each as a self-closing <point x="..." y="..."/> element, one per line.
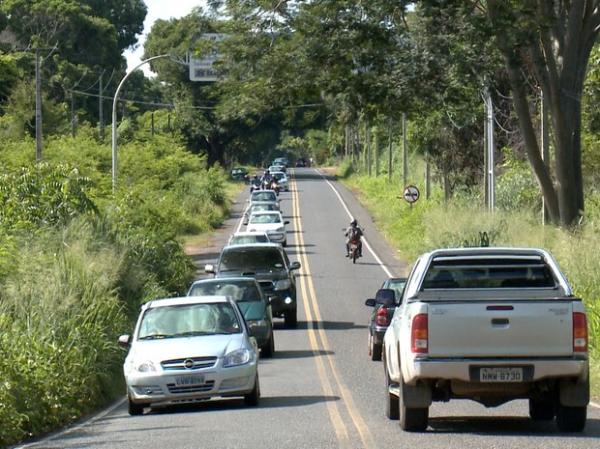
<point x="278" y="176"/>
<point x="264" y="196"/>
<point x="188" y="320"/>
<point x="263" y="207"/>
<point x="244" y="239"/>
<point x="397" y="285"/>
<point x="238" y="290"/>
<point x="265" y="218"/>
<point x="251" y="260"/>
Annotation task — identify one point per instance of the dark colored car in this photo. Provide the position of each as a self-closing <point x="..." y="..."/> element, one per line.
<point x="248" y="295"/>
<point x="269" y="264"/>
<point x="387" y="298"/>
<point x="239" y="173"/>
<point x="301" y="162"/>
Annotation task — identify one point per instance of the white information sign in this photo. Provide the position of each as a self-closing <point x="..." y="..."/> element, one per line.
<point x="411" y="194"/>
<point x="201" y="68"/>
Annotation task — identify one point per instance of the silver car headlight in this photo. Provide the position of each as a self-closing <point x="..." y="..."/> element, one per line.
<point x="282" y="284"/>
<point x="238" y="357"/>
<point x="145" y="367"/>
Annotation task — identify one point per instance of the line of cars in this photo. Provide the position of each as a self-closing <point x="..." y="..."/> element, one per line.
<point x="208" y="343"/>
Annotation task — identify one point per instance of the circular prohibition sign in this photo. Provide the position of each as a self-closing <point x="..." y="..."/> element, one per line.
<point x="411" y="194"/>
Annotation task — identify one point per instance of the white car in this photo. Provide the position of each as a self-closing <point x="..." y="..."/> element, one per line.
<point x="190" y="349"/>
<point x="241" y="238"/>
<point x="270" y="222"/>
<point x="282" y="180"/>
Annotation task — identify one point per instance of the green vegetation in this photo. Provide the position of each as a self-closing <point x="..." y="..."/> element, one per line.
<point x="77" y="262"/>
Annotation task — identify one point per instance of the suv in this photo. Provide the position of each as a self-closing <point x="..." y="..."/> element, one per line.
<point x="269" y="264"/>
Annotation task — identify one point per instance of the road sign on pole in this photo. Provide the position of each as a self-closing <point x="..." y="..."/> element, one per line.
<point x="201" y="68"/>
<point x="411" y="194"/>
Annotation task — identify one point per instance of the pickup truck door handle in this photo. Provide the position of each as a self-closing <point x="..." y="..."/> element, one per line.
<point x="499" y="321"/>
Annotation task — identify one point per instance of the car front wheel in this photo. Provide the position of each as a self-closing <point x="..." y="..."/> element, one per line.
<point x="253" y="397"/>
<point x="134" y="409"/>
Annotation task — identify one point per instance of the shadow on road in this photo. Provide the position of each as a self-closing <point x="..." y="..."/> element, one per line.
<point x="294" y="401"/>
<point x="327" y="325"/>
<point x="508" y="426"/>
<point x="300" y="353"/>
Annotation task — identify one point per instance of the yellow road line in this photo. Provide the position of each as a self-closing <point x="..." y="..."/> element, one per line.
<point x="334" y="414"/>
<point x="359" y="423"/>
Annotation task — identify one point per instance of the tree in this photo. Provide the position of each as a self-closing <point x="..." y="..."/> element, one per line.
<point x="550" y="41"/>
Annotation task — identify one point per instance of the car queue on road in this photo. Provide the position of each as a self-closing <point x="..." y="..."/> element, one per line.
<point x="189" y="349"/>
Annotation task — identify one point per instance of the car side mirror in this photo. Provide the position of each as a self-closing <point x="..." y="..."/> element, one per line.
<point x="125" y="341"/>
<point x="208" y="268"/>
<point x="370" y="302"/>
<point x="286" y="222"/>
<point x="295" y="266"/>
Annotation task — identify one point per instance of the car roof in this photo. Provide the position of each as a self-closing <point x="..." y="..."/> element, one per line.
<point x="248" y="233"/>
<point x="227" y="279"/>
<point x="266" y="212"/>
<point x="252" y="245"/>
<point x="263" y="190"/>
<point x="184" y="300"/>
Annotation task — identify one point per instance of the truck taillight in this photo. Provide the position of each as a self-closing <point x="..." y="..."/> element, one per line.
<point x="580" y="332"/>
<point x="420" y="334"/>
<point x="381" y="318"/>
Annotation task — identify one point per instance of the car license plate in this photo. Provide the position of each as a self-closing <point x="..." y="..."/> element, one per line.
<point x="501" y="374"/>
<point x="184" y="381"/>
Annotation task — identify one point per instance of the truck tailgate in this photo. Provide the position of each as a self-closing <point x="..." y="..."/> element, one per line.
<point x="487" y="329"/>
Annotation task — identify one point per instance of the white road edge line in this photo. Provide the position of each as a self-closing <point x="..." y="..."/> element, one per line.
<point x="89" y="421"/>
<point x="377" y="259"/>
<point x="381" y="264"/>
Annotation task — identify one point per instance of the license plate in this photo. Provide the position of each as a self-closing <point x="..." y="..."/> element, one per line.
<point x="501" y="374"/>
<point x="184" y="381"/>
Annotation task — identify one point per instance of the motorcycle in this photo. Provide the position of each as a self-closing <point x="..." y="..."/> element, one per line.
<point x="254" y="185"/>
<point x="353" y="247"/>
<point x="275" y="186"/>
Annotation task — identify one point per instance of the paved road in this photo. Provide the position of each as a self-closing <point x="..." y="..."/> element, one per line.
<point x="321" y="390"/>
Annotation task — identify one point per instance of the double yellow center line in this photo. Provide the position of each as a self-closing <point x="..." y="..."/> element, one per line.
<point x="328" y="373"/>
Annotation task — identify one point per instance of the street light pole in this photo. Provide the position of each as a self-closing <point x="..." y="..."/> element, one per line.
<point x="114" y="117"/>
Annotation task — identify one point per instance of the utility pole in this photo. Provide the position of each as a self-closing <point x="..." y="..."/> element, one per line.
<point x="490" y="150"/>
<point x="404" y="153"/>
<point x="427" y="177"/>
<point x="390" y="165"/>
<point x="39" y="139"/>
<point x="544" y="135"/>
<point x="368" y="139"/>
<point x="73" y="118"/>
<point x="101" y="108"/>
<point x="376" y="148"/>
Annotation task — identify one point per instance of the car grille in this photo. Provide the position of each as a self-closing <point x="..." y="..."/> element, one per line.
<point x="198" y="363"/>
<point x="182" y="389"/>
<point x="267" y="286"/>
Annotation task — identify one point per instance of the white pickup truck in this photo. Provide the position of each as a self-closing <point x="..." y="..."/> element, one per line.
<point x="491" y="325"/>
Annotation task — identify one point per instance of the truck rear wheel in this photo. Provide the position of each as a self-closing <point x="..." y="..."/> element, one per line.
<point x="412" y="419"/>
<point x="571" y="419"/>
<point x="392" y="406"/>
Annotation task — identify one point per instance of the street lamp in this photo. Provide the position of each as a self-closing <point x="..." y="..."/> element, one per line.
<point x="114" y="117"/>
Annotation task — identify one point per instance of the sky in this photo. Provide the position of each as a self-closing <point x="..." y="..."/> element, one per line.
<point x="159" y="9"/>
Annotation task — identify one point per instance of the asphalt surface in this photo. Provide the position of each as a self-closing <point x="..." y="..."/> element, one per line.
<point x="321" y="390"/>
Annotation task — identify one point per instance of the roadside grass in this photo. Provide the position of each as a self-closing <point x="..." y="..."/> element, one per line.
<point x="431" y="224"/>
<point x="76" y="263"/>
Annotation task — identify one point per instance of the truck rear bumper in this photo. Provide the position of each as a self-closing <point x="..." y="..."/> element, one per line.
<point x="462" y="369"/>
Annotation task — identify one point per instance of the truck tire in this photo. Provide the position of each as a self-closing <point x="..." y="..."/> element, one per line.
<point x="392" y="410"/>
<point x="412" y="419"/>
<point x="542" y="410"/>
<point x="571" y="419"/>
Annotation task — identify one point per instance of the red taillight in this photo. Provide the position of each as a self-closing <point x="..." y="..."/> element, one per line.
<point x="580" y="333"/>
<point x="381" y="319"/>
<point x="419" y="336"/>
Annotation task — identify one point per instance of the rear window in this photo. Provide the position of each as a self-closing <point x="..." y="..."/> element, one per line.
<point x="239" y="291"/>
<point x="482" y="273"/>
<point x="245" y="239"/>
<point x="251" y="260"/>
<point x="264" y="196"/>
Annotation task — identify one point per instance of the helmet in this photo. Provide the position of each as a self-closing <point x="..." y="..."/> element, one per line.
<point x="353" y="222"/>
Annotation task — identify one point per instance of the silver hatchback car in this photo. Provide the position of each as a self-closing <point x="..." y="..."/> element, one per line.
<point x="190" y="349"/>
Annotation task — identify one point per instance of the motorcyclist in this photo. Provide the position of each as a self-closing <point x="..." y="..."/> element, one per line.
<point x="354" y="233"/>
